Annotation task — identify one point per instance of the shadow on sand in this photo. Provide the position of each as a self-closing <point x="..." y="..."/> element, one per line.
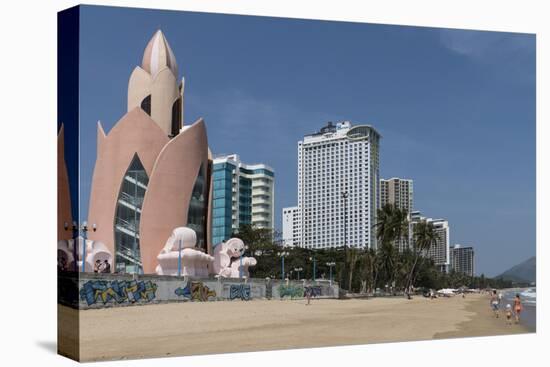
<point x="48" y="345"/>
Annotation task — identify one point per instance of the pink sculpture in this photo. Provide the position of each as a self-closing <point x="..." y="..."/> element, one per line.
<point x="194" y="263"/>
<point x="227" y="259"/>
<point x="98" y="257"/>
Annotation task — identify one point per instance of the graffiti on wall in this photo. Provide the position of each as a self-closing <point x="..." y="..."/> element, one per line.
<point x="184" y="292"/>
<point x="291" y="291"/>
<point x="195" y="291"/>
<point x="314" y="290"/>
<point x="117" y="291"/>
<point x="241" y="291"/>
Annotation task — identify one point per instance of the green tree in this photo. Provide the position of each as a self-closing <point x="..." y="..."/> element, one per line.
<point x="369" y="273"/>
<point x="391" y="227"/>
<point x="424" y="237"/>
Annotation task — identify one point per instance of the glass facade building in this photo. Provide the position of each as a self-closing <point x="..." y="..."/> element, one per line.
<point x="222" y="204"/>
<point x="127" y="218"/>
<point x="242" y="194"/>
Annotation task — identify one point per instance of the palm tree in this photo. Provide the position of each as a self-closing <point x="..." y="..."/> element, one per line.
<point x="370" y="270"/>
<point x="424" y="237"/>
<point x="392" y="226"/>
<point x="385" y="222"/>
<point x="401" y="225"/>
<point x="387" y="261"/>
<point x="351" y="259"/>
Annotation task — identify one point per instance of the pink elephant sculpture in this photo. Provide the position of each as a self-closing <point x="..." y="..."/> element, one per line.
<point x="227" y="259"/>
<point x="194" y="262"/>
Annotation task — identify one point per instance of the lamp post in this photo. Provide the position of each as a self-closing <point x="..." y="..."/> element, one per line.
<point x="330" y="265"/>
<point x="179" y="257"/>
<point x="74" y="228"/>
<point x="345" y="195"/>
<point x="298" y="270"/>
<point x="84" y="236"/>
<point x="84" y="228"/>
<point x="282" y="255"/>
<point x="314" y="263"/>
<point x="344" y="199"/>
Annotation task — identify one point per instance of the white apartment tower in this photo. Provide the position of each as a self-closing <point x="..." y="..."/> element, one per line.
<point x="338" y="187"/>
<point x="440" y="251"/>
<point x="291" y="226"/>
<point x="462" y="259"/>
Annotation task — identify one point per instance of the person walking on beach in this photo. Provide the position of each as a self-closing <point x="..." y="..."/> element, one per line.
<point x="308" y="295"/>
<point x="494" y="303"/>
<point x="517" y="307"/>
<point x="509" y="314"/>
<point x="499" y="299"/>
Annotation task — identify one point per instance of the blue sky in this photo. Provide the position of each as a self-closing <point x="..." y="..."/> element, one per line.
<point x="456" y="109"/>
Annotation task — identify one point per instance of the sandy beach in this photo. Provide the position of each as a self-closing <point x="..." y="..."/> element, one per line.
<point x="223" y="327"/>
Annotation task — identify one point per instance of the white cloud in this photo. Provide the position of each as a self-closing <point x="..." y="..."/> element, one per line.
<point x="506" y="55"/>
<point x="483" y="44"/>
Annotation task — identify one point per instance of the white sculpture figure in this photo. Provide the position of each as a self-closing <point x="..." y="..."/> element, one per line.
<point x="98" y="257"/>
<point x="227" y="259"/>
<point x="194" y="263"/>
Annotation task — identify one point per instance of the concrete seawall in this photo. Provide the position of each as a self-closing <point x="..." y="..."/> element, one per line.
<point x="91" y="290"/>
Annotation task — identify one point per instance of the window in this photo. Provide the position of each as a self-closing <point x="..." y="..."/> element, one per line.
<point x="196" y="215"/>
<point x="146" y="105"/>
<point x="127" y="218"/>
<point x="176" y="117"/>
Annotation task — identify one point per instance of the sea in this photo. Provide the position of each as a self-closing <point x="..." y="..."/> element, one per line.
<point x="528" y="298"/>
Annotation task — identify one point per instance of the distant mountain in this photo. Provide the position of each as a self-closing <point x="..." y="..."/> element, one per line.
<point x="524" y="272"/>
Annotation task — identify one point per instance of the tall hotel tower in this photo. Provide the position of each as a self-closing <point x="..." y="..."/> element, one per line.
<point x="462" y="259"/>
<point x="439" y="252"/>
<point x="397" y="191"/>
<point x="338" y="188"/>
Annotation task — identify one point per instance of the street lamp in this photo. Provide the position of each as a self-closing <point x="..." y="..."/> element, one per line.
<point x="314" y="263"/>
<point x="330" y="265"/>
<point x="84" y="229"/>
<point x="298" y="270"/>
<point x="179" y="257"/>
<point x="344" y="199"/>
<point x="345" y="195"/>
<point x="282" y="255"/>
<point x="84" y="236"/>
<point x="75" y="238"/>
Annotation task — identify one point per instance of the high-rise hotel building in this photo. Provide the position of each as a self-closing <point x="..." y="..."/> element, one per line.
<point x="439" y="252"/>
<point x="397" y="191"/>
<point x="338" y="188"/>
<point x="462" y="259"/>
<point x="291" y="226"/>
<point x="242" y="194"/>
